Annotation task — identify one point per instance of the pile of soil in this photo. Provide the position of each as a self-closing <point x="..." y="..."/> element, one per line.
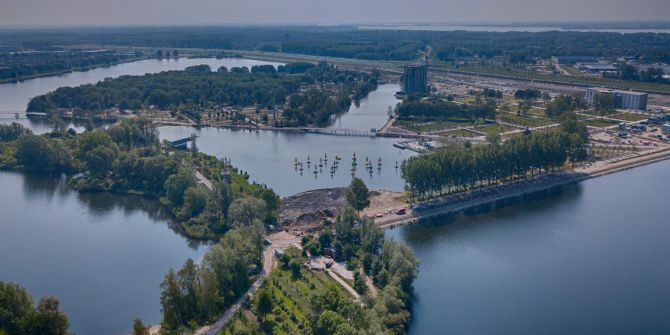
<point x="311" y="207"/>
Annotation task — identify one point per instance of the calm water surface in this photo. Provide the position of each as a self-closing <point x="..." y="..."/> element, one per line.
<point x="103" y="255"/>
<point x="589" y="259"/>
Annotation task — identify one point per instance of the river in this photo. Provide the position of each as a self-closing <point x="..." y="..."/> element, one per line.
<point x="585" y="259"/>
<point x="590" y="258"/>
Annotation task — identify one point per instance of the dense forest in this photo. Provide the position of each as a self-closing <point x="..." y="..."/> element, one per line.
<point x="351" y="42"/>
<point x="21" y="65"/>
<point x="19" y="315"/>
<point x="198" y="87"/>
<point x="482" y="165"/>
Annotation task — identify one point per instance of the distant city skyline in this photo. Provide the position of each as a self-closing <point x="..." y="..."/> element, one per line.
<point x="217" y="12"/>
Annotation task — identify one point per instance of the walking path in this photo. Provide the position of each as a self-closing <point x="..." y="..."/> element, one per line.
<point x="345" y="285"/>
<point x="203" y="180"/>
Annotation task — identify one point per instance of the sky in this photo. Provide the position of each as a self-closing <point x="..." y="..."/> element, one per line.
<point x="221" y="12"/>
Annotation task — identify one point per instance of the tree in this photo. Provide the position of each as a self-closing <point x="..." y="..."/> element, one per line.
<point x="357" y="194"/>
<point x="264" y="303"/>
<point x="243" y="211"/>
<point x="195" y="201"/>
<point x="50" y="320"/>
<point x="171" y="302"/>
<point x="603" y="103"/>
<point x="221" y="199"/>
<point x="176" y="185"/>
<point x="359" y="283"/>
<point x="139" y="328"/>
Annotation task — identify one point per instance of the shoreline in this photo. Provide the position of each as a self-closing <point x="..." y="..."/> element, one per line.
<point x="459" y="202"/>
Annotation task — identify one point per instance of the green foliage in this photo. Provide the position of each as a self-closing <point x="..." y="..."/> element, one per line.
<point x="263" y="303"/>
<point x="195" y="201"/>
<point x="40" y="153"/>
<point x="177" y="184"/>
<point x="198" y="293"/>
<point x="483" y="165"/>
<point x="139" y="328"/>
<point x="563" y="104"/>
<point x="437" y="110"/>
<point x="18" y="316"/>
<point x="357" y="194"/>
<point x="11" y="132"/>
<point x="527" y="94"/>
<point x="244" y="211"/>
<point x="604" y="103"/>
<point x="196" y="87"/>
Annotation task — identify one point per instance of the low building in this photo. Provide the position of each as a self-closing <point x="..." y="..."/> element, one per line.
<point x="573" y="59"/>
<point x="598" y="68"/>
<point x="622" y="99"/>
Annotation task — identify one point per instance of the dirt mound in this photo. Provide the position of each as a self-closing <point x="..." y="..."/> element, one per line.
<point x="311" y="207"/>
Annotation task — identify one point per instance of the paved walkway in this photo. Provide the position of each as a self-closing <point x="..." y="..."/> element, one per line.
<point x="203" y="180"/>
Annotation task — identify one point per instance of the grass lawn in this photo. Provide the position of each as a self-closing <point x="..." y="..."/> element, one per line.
<point x="495" y="129"/>
<point x="522" y="121"/>
<point x="430" y="126"/>
<point x="630" y="116"/>
<point x="536" y="112"/>
<point x="461" y="133"/>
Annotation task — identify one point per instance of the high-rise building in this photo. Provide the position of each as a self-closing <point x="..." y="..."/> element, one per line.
<point x="415" y="79"/>
<point x="622" y="99"/>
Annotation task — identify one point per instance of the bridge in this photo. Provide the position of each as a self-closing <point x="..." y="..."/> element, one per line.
<point x="182" y="142"/>
<point x="340" y="132"/>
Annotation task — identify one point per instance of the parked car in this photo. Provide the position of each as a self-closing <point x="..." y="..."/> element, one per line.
<point x="401" y="211"/>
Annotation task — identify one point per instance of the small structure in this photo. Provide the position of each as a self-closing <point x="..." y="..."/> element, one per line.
<point x="225" y="176"/>
<point x="665" y="129"/>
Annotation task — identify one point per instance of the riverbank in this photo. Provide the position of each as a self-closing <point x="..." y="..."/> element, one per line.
<point x="60" y="73"/>
<point x="459" y="202"/>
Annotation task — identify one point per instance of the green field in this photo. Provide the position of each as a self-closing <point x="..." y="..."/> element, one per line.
<point x="495" y="129"/>
<point x="630" y="116"/>
<point x="523" y="121"/>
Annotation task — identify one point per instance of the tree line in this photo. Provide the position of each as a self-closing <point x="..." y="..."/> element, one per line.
<point x="20" y="316"/>
<point x="483" y="165"/>
<point x="437" y="109"/>
<point x="629" y="72"/>
<point x="19" y="65"/>
<point x="351" y="42"/>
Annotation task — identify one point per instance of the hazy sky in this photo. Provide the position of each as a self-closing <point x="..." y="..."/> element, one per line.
<point x="178" y="12"/>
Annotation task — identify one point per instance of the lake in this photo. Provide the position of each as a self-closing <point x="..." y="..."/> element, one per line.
<point x="269" y="156"/>
<point x="103" y="255"/>
<point x="586" y="259"/>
